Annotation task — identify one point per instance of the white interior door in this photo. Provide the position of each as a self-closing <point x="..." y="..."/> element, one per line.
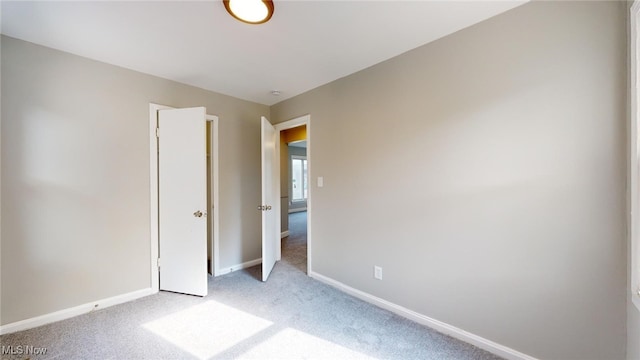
<point x="270" y="232"/>
<point x="182" y="194"/>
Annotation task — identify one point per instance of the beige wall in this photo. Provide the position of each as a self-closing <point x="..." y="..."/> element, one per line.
<point x="485" y="173"/>
<point x="75" y="177"/>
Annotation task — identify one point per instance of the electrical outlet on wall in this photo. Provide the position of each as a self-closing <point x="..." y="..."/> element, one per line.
<point x="377" y="272"/>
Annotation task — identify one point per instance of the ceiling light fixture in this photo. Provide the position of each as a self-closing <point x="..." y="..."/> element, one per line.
<point x="250" y="11"/>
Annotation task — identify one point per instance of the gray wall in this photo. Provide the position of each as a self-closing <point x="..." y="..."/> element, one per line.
<point x="300" y="152"/>
<point x="75" y="177"/>
<point x="485" y="172"/>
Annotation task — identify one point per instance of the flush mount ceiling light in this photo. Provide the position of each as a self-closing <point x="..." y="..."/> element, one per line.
<point x="250" y="11"/>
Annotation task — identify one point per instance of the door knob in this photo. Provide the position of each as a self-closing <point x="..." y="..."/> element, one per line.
<point x="198" y="213"/>
<point x="268" y="207"/>
<point x="261" y="208"/>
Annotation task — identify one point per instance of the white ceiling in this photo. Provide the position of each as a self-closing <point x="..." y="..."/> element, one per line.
<point x="305" y="44"/>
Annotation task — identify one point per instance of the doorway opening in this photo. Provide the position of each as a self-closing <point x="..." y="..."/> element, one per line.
<point x="298" y="179"/>
<point x="294" y="245"/>
<point x="295" y="191"/>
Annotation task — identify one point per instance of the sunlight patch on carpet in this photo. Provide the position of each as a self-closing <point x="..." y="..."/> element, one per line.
<point x="207" y="329"/>
<point x="294" y="344"/>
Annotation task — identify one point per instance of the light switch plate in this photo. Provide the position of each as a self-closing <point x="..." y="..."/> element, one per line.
<point x="377" y="272"/>
<point x="320" y="181"/>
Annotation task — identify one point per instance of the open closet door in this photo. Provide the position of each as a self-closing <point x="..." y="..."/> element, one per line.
<point x="270" y="233"/>
<point x="182" y="187"/>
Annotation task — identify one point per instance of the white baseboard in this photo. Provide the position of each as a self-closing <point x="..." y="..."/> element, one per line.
<point x="244" y="265"/>
<point x="74" y="311"/>
<point x="284" y="234"/>
<point x="440" y="326"/>
<point x="295" y="210"/>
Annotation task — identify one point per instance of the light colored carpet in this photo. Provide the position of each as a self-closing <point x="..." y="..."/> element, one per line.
<point x="290" y="317"/>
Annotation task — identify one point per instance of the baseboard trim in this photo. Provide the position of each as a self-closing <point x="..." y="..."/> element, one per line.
<point x="74" y="311"/>
<point x="244" y="265"/>
<point x="295" y="210"/>
<point x="440" y="326"/>
<point x="284" y="234"/>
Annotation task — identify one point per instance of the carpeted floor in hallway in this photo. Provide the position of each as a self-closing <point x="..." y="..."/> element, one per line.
<point x="294" y="246"/>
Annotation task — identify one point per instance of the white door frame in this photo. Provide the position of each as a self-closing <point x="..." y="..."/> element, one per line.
<point x="302" y="120"/>
<point x="153" y="194"/>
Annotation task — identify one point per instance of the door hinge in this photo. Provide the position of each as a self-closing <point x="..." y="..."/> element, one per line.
<point x="158" y="264"/>
<point x="157" y="132"/>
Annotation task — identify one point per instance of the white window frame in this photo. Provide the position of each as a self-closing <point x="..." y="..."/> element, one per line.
<point x="304" y="199"/>
<point x="633" y="190"/>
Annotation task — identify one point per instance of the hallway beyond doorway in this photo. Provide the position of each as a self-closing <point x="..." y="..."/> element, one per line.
<point x="294" y="246"/>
